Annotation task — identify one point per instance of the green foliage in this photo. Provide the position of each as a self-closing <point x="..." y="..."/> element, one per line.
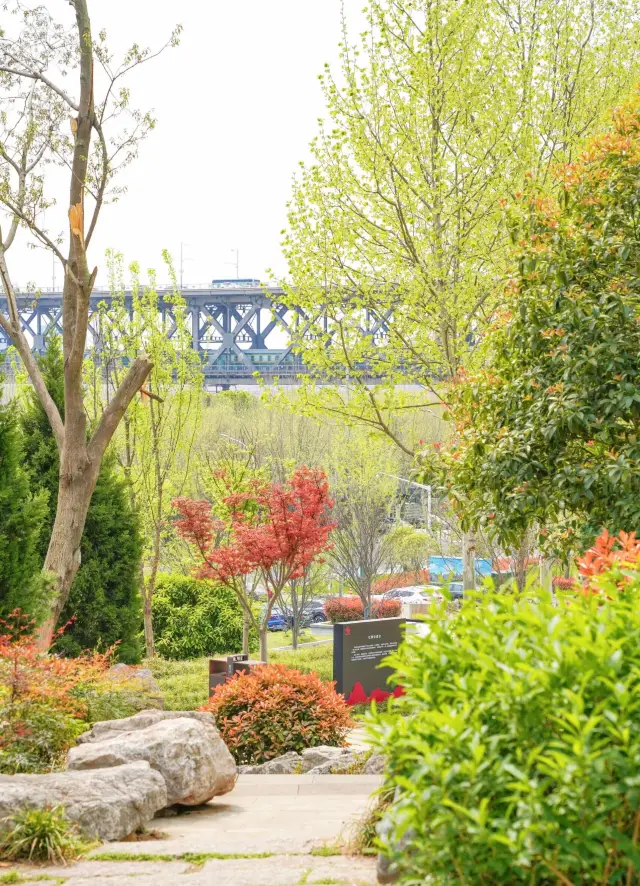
<point x="515" y="750"/>
<point x="40" y="734"/>
<point x="184" y="684"/>
<point x="272" y="710"/>
<point x="437" y="111"/>
<point x="40" y="835"/>
<point x="549" y="433"/>
<point x="104" y="602"/>
<point x="193" y="617"/>
<point x="21" y="515"/>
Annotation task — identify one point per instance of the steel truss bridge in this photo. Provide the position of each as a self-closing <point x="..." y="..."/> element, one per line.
<point x="239" y="328"/>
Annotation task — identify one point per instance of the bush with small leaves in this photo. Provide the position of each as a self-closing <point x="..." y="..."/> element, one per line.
<point x="516" y="748"/>
<point x="40" y="835"/>
<point x="339" y="609"/>
<point x="271" y="710"/>
<point x="194" y="617"/>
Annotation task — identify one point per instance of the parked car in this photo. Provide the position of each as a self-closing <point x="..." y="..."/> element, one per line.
<point x="426" y="593"/>
<point x="456" y="590"/>
<point x="278" y="622"/>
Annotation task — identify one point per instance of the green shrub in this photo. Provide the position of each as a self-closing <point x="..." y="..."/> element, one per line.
<point x="193" y="617"/>
<point x="39" y="835"/>
<point x="516" y="749"/>
<point x="184" y="684"/>
<point x="40" y="736"/>
<point x="272" y="710"/>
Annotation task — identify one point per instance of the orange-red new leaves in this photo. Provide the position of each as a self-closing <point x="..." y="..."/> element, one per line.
<point x="282" y="531"/>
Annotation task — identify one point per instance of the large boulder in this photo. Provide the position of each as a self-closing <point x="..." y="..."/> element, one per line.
<point x="186" y="750"/>
<point x="108" y="804"/>
<point x="106" y="729"/>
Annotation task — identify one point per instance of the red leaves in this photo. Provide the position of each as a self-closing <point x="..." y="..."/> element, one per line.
<point x="351" y="609"/>
<point x="276" y="529"/>
<point x="31" y="678"/>
<point x="609" y="551"/>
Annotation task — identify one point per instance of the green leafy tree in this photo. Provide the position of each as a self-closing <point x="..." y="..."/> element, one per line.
<point x="396" y="240"/>
<point x="155" y="439"/>
<point x="549" y="432"/>
<point x="104" y="601"/>
<point x="21" y="517"/>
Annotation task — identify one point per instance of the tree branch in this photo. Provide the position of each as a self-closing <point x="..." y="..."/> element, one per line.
<point x="111" y="416"/>
<point x="12" y="327"/>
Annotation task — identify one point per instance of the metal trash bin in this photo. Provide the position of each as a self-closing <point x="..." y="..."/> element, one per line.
<point x="223" y="669"/>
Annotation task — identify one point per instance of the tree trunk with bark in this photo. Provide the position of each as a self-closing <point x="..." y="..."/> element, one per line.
<point x="246" y="627"/>
<point x="63" y="555"/>
<point x="469" y="561"/>
<point x="264" y="648"/>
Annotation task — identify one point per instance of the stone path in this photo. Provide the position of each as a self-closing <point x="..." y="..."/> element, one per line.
<point x="293" y="821"/>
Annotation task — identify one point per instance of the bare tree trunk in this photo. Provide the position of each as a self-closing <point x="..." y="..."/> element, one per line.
<point x="264" y="649"/>
<point x="295" y="617"/>
<point x="469" y="561"/>
<point x="63" y="555"/>
<point x="148" y="592"/>
<point x="246" y="625"/>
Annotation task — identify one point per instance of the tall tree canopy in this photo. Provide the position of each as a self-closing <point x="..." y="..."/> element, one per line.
<point x="549" y="431"/>
<point x="396" y="227"/>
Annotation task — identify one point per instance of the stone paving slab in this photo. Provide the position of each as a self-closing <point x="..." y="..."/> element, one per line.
<point x="284" y="870"/>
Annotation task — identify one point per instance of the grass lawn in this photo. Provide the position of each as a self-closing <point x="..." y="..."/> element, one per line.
<point x="185" y="684"/>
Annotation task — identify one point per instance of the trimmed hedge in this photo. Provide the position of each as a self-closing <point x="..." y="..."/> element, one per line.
<point x="339" y="609"/>
<point x="193" y="617"/>
<point x="272" y="710"/>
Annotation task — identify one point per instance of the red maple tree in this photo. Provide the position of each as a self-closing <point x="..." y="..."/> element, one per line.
<point x="274" y="529"/>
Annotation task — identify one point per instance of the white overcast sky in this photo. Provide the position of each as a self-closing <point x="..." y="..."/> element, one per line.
<point x="237" y="104"/>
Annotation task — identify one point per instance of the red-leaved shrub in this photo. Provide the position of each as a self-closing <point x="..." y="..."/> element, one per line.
<point x="272" y="710"/>
<point x="339" y="609"/>
<point x="401" y="580"/>
<point x="43" y="698"/>
<point x="563" y="584"/>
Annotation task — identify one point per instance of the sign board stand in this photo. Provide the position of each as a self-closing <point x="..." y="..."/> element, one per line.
<point x="358" y="649"/>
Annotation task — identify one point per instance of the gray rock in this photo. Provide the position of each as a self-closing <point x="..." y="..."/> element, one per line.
<point x="107" y="804"/>
<point x="339" y="765"/>
<point x="137" y="685"/>
<point x="374" y="765"/>
<point x="106" y="729"/>
<point x="313" y="757"/>
<point x="187" y="751"/>
<point x="287" y="764"/>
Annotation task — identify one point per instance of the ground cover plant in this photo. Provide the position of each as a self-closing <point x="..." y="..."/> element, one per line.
<point x="43" y="835"/>
<point x="272" y="710"/>
<point x="516" y="760"/>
